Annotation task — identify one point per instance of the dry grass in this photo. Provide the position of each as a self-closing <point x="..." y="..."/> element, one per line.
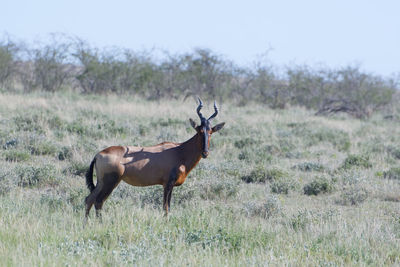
<point x="217" y="219"/>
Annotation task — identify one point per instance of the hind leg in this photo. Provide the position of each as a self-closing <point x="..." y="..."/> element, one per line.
<point x="110" y="181"/>
<point x="91" y="198"/>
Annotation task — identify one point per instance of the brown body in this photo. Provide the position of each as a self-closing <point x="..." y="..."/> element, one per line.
<point x="166" y="164"/>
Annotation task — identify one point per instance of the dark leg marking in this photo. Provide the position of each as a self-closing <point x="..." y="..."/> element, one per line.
<point x="169" y="198"/>
<point x="91" y="198"/>
<point x="110" y="181"/>
<point x="168" y="190"/>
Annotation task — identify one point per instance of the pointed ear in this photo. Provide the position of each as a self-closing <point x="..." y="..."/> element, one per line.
<point x="194" y="125"/>
<point x="218" y="127"/>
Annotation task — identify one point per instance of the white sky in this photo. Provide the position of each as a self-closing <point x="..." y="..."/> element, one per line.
<point x="331" y="32"/>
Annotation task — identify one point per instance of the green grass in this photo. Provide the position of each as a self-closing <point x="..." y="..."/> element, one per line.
<point x="245" y="205"/>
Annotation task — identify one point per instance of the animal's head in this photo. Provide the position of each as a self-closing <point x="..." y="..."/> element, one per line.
<point x="204" y="129"/>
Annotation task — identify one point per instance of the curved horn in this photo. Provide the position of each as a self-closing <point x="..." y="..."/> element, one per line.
<point x="216" y="111"/>
<point x="198" y="109"/>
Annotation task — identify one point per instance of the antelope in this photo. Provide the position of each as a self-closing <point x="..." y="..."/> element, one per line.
<point x="167" y="164"/>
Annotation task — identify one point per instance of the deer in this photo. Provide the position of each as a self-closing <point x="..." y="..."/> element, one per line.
<point x="167" y="164"/>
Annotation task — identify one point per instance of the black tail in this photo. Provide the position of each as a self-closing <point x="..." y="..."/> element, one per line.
<point x="89" y="176"/>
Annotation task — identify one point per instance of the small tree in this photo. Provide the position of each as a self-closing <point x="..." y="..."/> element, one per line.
<point x="8" y="50"/>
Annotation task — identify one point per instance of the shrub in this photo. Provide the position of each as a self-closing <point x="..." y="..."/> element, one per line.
<point x="301" y="220"/>
<point x="8" y="51"/>
<point x="352" y="195"/>
<point x="261" y="175"/>
<point x="281" y="186"/>
<point x="30" y="175"/>
<point x="271" y="207"/>
<point x="17" y="155"/>
<point x="310" y="166"/>
<point x="77" y="168"/>
<point x="11" y="143"/>
<point x="6" y="183"/>
<point x="50" y="71"/>
<point x="318" y="186"/>
<point x="75" y="198"/>
<point x="53" y="202"/>
<point x="356" y="161"/>
<point x="392" y="197"/>
<point x="218" y="189"/>
<point x="393" y="173"/>
<point x="28" y="123"/>
<point x="43" y="148"/>
<point x="64" y="153"/>
<point x="395" y="152"/>
<point x="248" y="141"/>
<point x="211" y="239"/>
<point x="249" y="154"/>
<point x="77" y="127"/>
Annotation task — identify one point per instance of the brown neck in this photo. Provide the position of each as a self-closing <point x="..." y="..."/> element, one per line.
<point x="191" y="152"/>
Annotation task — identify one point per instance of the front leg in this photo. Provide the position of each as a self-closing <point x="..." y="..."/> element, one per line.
<point x="168" y="190"/>
<point x="167" y="196"/>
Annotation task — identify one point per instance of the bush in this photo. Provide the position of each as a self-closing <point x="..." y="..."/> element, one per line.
<point x="310" y="166"/>
<point x="17" y="155"/>
<point x="62" y="63"/>
<point x="393" y="173"/>
<point x="218" y="189"/>
<point x="43" y="148"/>
<point x="318" y="186"/>
<point x="53" y="202"/>
<point x="301" y="220"/>
<point x="77" y="168"/>
<point x="352" y="195"/>
<point x="64" y="153"/>
<point x="395" y="152"/>
<point x="11" y="143"/>
<point x="261" y="175"/>
<point x="29" y="175"/>
<point x="281" y="186"/>
<point x="271" y="207"/>
<point x="8" y="50"/>
<point x="356" y="161"/>
<point x="248" y="141"/>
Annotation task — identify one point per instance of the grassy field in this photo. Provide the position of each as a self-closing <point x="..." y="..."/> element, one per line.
<point x="280" y="187"/>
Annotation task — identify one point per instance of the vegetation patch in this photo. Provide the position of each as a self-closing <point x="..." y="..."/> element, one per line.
<point x="206" y="239"/>
<point x="317" y="186"/>
<point x="269" y="208"/>
<point x="261" y="175"/>
<point x="393" y="173"/>
<point x="282" y="186"/>
<point x="12" y="143"/>
<point x="314" y="135"/>
<point x="64" y="153"/>
<point x="43" y="148"/>
<point x="310" y="167"/>
<point x="31" y="175"/>
<point x="395" y="151"/>
<point x="356" y="161"/>
<point x="218" y="189"/>
<point x="16" y="155"/>
<point x="300" y="221"/>
<point x="352" y="195"/>
<point x="248" y="141"/>
<point x="77" y="168"/>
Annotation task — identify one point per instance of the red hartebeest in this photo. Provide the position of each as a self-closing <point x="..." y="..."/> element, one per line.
<point x="165" y="164"/>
